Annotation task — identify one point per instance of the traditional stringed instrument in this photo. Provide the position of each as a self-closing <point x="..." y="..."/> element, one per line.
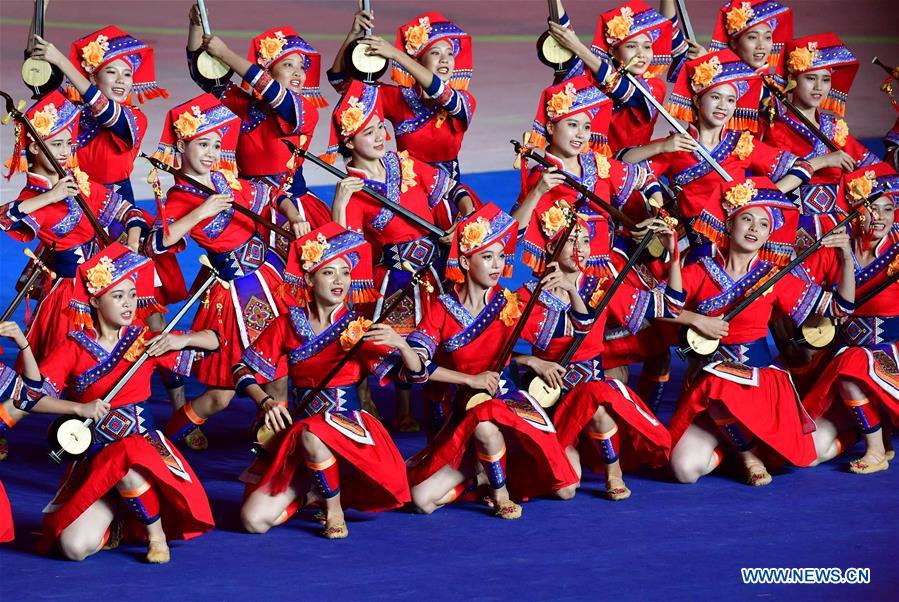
<point x="549" y="51"/>
<point x="205" y="64"/>
<point x="40" y="76"/>
<point x="358" y="63"/>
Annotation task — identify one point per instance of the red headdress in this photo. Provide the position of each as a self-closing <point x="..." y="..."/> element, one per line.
<point x="484" y="227"/>
<point x="279" y="42"/>
<point x="92" y="52"/>
<point x="628" y="21"/>
<point x="824" y="51"/>
<point x="738" y="16"/>
<point x="415" y="37"/>
<point x="548" y="226"/>
<point x="576" y="95"/>
<point x="50" y="115"/>
<point x="356" y="108"/>
<point x="196" y="118"/>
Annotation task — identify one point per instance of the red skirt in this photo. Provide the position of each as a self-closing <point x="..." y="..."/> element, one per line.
<point x="7" y="532"/>
<point x="632" y="348"/>
<point x="52" y="320"/>
<point x="372" y="474"/>
<point x="238" y="315"/>
<point x="317" y="212"/>
<point x="536" y="463"/>
<point x="183" y="504"/>
<point x="643" y="438"/>
<point x="874" y="369"/>
<point x="173" y="288"/>
<point x="769" y="409"/>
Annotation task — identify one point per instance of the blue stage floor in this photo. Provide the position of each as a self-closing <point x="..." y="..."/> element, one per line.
<point x="667" y="542"/>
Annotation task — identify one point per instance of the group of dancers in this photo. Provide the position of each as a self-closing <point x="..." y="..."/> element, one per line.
<point x="759" y="214"/>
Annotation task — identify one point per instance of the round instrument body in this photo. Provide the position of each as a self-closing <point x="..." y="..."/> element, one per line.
<point x="701" y="345"/>
<point x="552" y="54"/>
<point x="477" y="399"/>
<point x="656" y="248"/>
<point x="36" y="72"/>
<point x="818" y="332"/>
<point x="211" y="67"/>
<point x="545" y="395"/>
<point x="70" y="435"/>
<point x="264" y="434"/>
<point x="365" y="67"/>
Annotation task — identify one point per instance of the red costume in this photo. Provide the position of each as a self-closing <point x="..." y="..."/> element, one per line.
<point x="741" y="375"/>
<point x="449" y="337"/>
<point x="61" y="225"/>
<point x="372" y="476"/>
<point x="868" y="353"/>
<point x="822" y="202"/>
<point x="738" y="152"/>
<point x="125" y="438"/>
<point x="236" y="249"/>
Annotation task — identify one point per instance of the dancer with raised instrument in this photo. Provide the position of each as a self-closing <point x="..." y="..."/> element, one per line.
<point x="823" y="70"/>
<point x="278" y="99"/>
<point x="334" y="453"/>
<point x="460" y="340"/>
<point x="856" y="393"/>
<point x="130" y="461"/>
<point x="358" y="133"/>
<point x="891" y="140"/>
<point x="431" y="109"/>
<point x="632" y="38"/>
<point x="738" y="396"/>
<point x="599" y="418"/>
<point x="197" y="136"/>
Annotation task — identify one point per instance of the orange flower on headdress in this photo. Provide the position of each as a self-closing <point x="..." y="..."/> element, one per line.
<point x="353" y="332"/>
<point x="705" y="73"/>
<point x="738" y="17"/>
<point x="93" y="54"/>
<point x="619" y="27"/>
<point x="512" y="310"/>
<point x="45" y="120"/>
<point x="137" y="348"/>
<point x="83" y="181"/>
<point x="860" y="188"/>
<point x="840" y="131"/>
<point x="100" y="276"/>
<point x="803" y="58"/>
<point x="741" y="194"/>
<point x="312" y="251"/>
<point x="560" y="103"/>
<point x="352" y="117"/>
<point x="603" y="167"/>
<point x="188" y="123"/>
<point x="269" y="48"/>
<point x="407" y="167"/>
<point x="473" y="234"/>
<point x="744" y="146"/>
<point x="417" y="35"/>
<point x="555" y="218"/>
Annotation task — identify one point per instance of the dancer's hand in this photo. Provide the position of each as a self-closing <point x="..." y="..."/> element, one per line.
<point x="94" y="410"/>
<point x="277" y="417"/>
<point x="485" y="381"/>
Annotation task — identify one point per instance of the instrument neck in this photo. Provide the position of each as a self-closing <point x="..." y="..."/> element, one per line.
<point x="204" y="17"/>
<point x="366" y="6"/>
<point x="38" y="21"/>
<point x="553" y="11"/>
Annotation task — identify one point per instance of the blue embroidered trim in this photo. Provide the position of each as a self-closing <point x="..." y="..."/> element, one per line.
<point x="107" y="362"/>
<point x="312" y="344"/>
<point x="720" y="153"/>
<point x="472" y="327"/>
<point x="731" y="291"/>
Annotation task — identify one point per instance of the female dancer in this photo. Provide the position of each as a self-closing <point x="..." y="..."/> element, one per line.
<point x="457" y="342"/>
<point x="823" y="70"/>
<point x="863" y="376"/>
<point x="196" y="136"/>
<point x="129" y="460"/>
<point x="46" y="209"/>
<point x="598" y="416"/>
<point x="359" y="134"/>
<point x="431" y="108"/>
<point x="718" y="95"/>
<point x="283" y="71"/>
<point x="739" y="394"/>
<point x="337" y="452"/>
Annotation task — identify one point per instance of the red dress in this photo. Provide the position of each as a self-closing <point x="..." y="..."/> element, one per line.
<point x="891" y="143"/>
<point x="823" y="203"/>
<point x="241" y="256"/>
<point x="7" y="529"/>
<point x="742" y="374"/>
<point x="125" y="438"/>
<point x="633" y="118"/>
<point x="372" y="472"/>
<point x="422" y="190"/>
<point x="698" y="182"/>
<point x="645" y="440"/>
<point x="452" y="338"/>
<point x="64" y="226"/>
<point x="868" y="351"/>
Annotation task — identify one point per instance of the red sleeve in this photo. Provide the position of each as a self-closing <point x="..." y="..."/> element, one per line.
<point x="272" y="344"/>
<point x="58" y="366"/>
<point x="393" y="102"/>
